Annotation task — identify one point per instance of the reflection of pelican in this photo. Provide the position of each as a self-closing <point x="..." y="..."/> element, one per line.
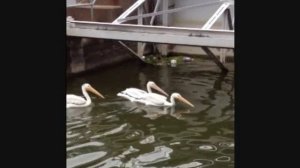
<point x="156" y="101"/>
<point x="78" y="101"/>
<point x="134" y="94"/>
<point x="78" y="113"/>
<point x="154" y="112"/>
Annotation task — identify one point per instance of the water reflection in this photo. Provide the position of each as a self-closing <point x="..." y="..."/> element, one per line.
<point x="153" y="112"/>
<point x="78" y="113"/>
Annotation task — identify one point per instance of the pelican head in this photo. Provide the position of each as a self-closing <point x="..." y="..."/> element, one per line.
<point x="180" y="98"/>
<point x="89" y="88"/>
<point x="154" y="86"/>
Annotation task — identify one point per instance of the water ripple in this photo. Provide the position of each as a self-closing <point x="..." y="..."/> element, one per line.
<point x="113" y="131"/>
<point x="89" y="144"/>
<point x="160" y="153"/>
<point x="81" y="160"/>
<point x="133" y="134"/>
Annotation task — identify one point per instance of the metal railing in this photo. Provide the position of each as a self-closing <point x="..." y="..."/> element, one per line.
<point x="74" y="3"/>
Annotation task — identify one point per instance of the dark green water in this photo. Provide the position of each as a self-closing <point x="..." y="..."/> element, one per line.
<point x="112" y="132"/>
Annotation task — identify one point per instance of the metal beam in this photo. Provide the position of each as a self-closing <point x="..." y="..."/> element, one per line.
<point x="155" y="34"/>
<point x="79" y="4"/>
<point x="124" y="15"/>
<point x="121" y="20"/>
<point x="215" y="59"/>
<point x="133" y="52"/>
<point x="151" y="23"/>
<point x="155" y="10"/>
<point x="165" y="22"/>
<point x="230" y="22"/>
<point x="128" y="11"/>
<point x="215" y="16"/>
<point x="225" y="26"/>
<point x="140" y="50"/>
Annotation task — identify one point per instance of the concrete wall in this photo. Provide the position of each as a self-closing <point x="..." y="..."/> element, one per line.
<point x="84" y="54"/>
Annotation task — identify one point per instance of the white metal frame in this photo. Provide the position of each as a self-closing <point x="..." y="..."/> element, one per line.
<point x="204" y="37"/>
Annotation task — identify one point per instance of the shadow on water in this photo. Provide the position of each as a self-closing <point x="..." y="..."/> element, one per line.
<point x="115" y="132"/>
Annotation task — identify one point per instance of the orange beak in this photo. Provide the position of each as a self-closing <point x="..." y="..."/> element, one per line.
<point x="185" y="101"/>
<point x="154" y="86"/>
<point x="91" y="89"/>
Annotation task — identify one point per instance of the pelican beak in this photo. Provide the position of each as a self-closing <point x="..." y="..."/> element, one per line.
<point x="184" y="101"/>
<point x="154" y="86"/>
<point x="91" y="89"/>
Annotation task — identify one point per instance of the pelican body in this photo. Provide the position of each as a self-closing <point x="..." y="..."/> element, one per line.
<point x="156" y="101"/>
<point x="134" y="94"/>
<point x="78" y="101"/>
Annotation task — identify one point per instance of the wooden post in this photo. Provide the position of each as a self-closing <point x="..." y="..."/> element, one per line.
<point x="225" y="23"/>
<point x="151" y="23"/>
<point x="77" y="55"/>
<point x="140" y="22"/>
<point x="165" y="22"/>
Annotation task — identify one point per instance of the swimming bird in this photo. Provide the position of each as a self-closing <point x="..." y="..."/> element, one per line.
<point x="156" y="101"/>
<point x="134" y="94"/>
<point x="78" y="101"/>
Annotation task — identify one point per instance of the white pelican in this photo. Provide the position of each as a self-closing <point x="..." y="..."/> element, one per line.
<point x="134" y="94"/>
<point x="156" y="101"/>
<point x="78" y="101"/>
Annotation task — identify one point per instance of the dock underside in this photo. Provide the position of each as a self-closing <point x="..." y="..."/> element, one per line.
<point x="204" y="37"/>
<point x="154" y="34"/>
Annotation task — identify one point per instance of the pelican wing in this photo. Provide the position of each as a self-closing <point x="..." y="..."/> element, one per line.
<point x="76" y="100"/>
<point x="141" y="96"/>
<point x="152" y="99"/>
<point x="157" y="96"/>
<point x="132" y="93"/>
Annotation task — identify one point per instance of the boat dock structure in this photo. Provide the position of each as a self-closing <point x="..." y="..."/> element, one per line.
<point x="148" y="21"/>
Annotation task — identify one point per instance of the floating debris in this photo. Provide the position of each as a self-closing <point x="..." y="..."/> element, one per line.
<point x="187" y="59"/>
<point x="173" y="62"/>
